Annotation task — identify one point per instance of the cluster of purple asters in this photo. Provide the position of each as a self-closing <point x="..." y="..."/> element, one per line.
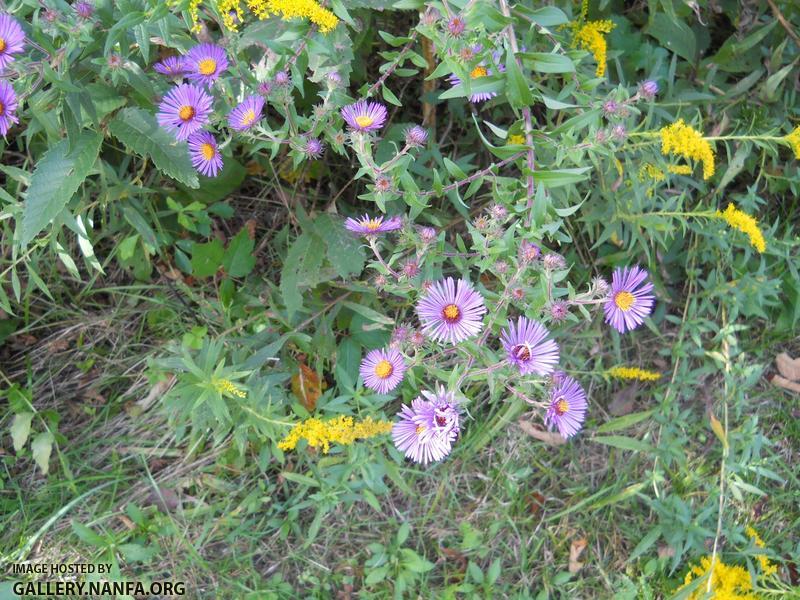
<point x="427" y="429"/>
<point x="186" y="109"/>
<point x="12" y="42"/>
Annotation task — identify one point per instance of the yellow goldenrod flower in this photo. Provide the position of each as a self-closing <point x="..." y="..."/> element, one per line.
<point x="590" y="37"/>
<point x="295" y="9"/>
<point x="650" y="171"/>
<point x="228" y="9"/>
<point x="226" y="386"/>
<point x="340" y="430"/>
<point x="633" y="373"/>
<point x="793" y="139"/>
<point x="744" y="223"/>
<point x="681" y="139"/>
<point x="516" y="139"/>
<point x="680" y="169"/>
<point x="727" y="582"/>
<point x="767" y="568"/>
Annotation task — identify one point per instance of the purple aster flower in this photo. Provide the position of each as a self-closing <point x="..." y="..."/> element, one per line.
<point x="8" y="107"/>
<point x="314" y="148"/>
<point x="205" y="63"/>
<point x="367" y="225"/>
<point x="416" y="136"/>
<point x="247" y="114"/>
<point x="84" y="9"/>
<point x="610" y="108"/>
<point x="559" y="310"/>
<point x="427" y="429"/>
<point x="452" y="311"/>
<point x="619" y="133"/>
<point x="282" y="79"/>
<point x="529" y="252"/>
<point x="173" y="66"/>
<point x="427" y="234"/>
<point x="205" y="154"/>
<point x="184" y="110"/>
<point x="631" y="299"/>
<point x="528" y="348"/>
<point x="554" y="262"/>
<point x="567" y="409"/>
<point x="456" y="26"/>
<point x="365" y="116"/>
<point x="383" y="370"/>
<point x="648" y="89"/>
<point x="12" y="39"/>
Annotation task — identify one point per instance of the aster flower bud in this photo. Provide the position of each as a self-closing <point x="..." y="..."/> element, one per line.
<point x="554" y="262"/>
<point x="619" y="133"/>
<point x="456" y="26"/>
<point x="282" y="79"/>
<point x="498" y="211"/>
<point x="600" y="287"/>
<point x="427" y="285"/>
<point x="114" y="61"/>
<point x="427" y="234"/>
<point x="648" y="89"/>
<point x="400" y="334"/>
<point x="265" y="88"/>
<point x="559" y="310"/>
<point x="333" y="79"/>
<point x="417" y="339"/>
<point x="314" y="148"/>
<point x="383" y="184"/>
<point x="518" y="294"/>
<point x="529" y="252"/>
<point x="50" y="15"/>
<point x="610" y="108"/>
<point x="601" y="136"/>
<point x="380" y="281"/>
<point x="411" y="269"/>
<point x="501" y="267"/>
<point x="84" y="9"/>
<point x="416" y="136"/>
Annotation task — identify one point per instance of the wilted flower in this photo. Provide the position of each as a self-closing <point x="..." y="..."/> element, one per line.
<point x="205" y="154"/>
<point x="12" y="39"/>
<point x="114" y="61"/>
<point x="417" y="339"/>
<point x="481" y="223"/>
<point x="400" y="334"/>
<point x="528" y="348"/>
<point x="416" y="136"/>
<point x="559" y="310"/>
<point x="554" y="262"/>
<point x="427" y="234"/>
<point x="265" y="88"/>
<point x="619" y="133"/>
<point x="599" y="287"/>
<point x="610" y="108"/>
<point x="364" y="115"/>
<point x="452" y="311"/>
<point x="382" y="370"/>
<point x="501" y="267"/>
<point x="411" y="269"/>
<point x="601" y="136"/>
<point x="498" y="211"/>
<point x="205" y="63"/>
<point x="456" y="26"/>
<point x="427" y="429"/>
<point x="380" y="281"/>
<point x="528" y="252"/>
<point x="184" y="110"/>
<point x="383" y="184"/>
<point x="518" y="294"/>
<point x="631" y="299"/>
<point x="50" y="15"/>
<point x="567" y="409"/>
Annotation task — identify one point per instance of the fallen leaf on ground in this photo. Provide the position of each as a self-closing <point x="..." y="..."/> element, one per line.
<point x="792" y="386"/>
<point x="623" y="401"/>
<point x="548" y="437"/>
<point x="306" y="386"/>
<point x="575" y="550"/>
<point x="788" y="367"/>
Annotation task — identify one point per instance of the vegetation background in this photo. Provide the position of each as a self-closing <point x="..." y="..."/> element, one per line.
<point x="136" y="286"/>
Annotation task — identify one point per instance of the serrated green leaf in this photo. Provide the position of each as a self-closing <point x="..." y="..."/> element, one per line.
<point x="57" y="177"/>
<point x="140" y="133"/>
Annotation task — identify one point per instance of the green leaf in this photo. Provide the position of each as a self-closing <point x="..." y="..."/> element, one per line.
<point x="20" y="429"/>
<point x="345" y="251"/>
<point x="674" y="35"/>
<point x="207" y="258"/>
<point x="216" y="188"/>
<point x="559" y="177"/>
<point x="624" y="421"/>
<point x="301" y="269"/>
<point x="41" y="447"/>
<point x="545" y="62"/>
<point x="624" y="443"/>
<point x="57" y="177"/>
<point x="517" y="91"/>
<point x="140" y="133"/>
<point x="87" y="535"/>
<point x="239" y="260"/>
<point x="414" y="562"/>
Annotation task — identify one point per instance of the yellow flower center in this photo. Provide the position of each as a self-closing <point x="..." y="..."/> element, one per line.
<point x="2" y="44"/>
<point x="364" y="121"/>
<point x="207" y="66"/>
<point x="562" y="406"/>
<point x="208" y="151"/>
<point x="372" y="224"/>
<point x="420" y="429"/>
<point x="624" y="300"/>
<point x="478" y="72"/>
<point x="451" y="313"/>
<point x="249" y="117"/>
<point x="186" y="113"/>
<point x="383" y="369"/>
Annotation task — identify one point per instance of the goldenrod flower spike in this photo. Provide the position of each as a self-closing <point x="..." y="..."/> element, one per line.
<point x="682" y="140"/>
<point x="767" y="568"/>
<point x="744" y="223"/>
<point x="793" y="139"/>
<point x="622" y="372"/>
<point x="340" y="430"/>
<point x="226" y="386"/>
<point x="728" y="582"/>
<point x="590" y="37"/>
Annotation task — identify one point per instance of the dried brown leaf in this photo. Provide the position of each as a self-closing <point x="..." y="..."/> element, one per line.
<point x="792" y="386"/>
<point x="623" y="401"/>
<point x="788" y="367"/>
<point x="548" y="437"/>
<point x="575" y="550"/>
<point x="306" y="386"/>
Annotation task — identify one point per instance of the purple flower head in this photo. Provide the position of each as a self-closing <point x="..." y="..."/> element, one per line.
<point x="631" y="299"/>
<point x="8" y="107"/>
<point x="334" y="79"/>
<point x="400" y="334"/>
<point x="501" y="267"/>
<point x="417" y="339"/>
<point x="619" y="133"/>
<point x="427" y="234"/>
<point x="518" y="294"/>
<point x="184" y="110"/>
<point x="498" y="211"/>
<point x="314" y="148"/>
<point x="12" y="39"/>
<point x="205" y="154"/>
<point x="382" y="370"/>
<point x="247" y="114"/>
<point x="451" y="311"/>
<point x="567" y="410"/>
<point x="282" y="79"/>
<point x="528" y="348"/>
<point x="173" y="66"/>
<point x="554" y="262"/>
<point x="610" y="108"/>
<point x="648" y="89"/>
<point x="559" y="310"/>
<point x="456" y="26"/>
<point x="411" y="268"/>
<point x="367" y="225"/>
<point x="205" y="63"/>
<point x="365" y="116"/>
<point x="529" y="252"/>
<point x="416" y="136"/>
<point x="383" y="184"/>
<point x="84" y="9"/>
<point x="265" y="88"/>
<point x="427" y="429"/>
